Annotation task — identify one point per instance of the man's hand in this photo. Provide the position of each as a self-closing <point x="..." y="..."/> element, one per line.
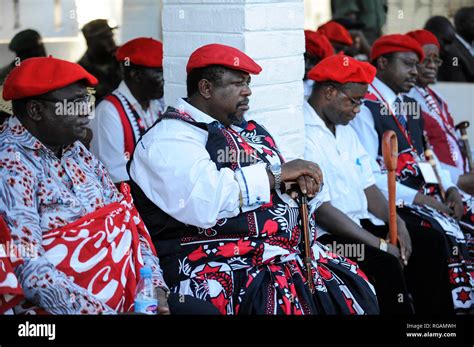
<point x="454" y="202"/>
<point x="307" y="175"/>
<point x="393" y="250"/>
<point x="404" y="240"/>
<point x="421" y="199"/>
<point x="163" y="308"/>
<point x="466" y="182"/>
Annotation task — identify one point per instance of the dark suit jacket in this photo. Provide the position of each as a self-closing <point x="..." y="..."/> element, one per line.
<point x="458" y="64"/>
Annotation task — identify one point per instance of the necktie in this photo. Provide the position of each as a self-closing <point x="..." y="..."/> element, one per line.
<point x="399" y="112"/>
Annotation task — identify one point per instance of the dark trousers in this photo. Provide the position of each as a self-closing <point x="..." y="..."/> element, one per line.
<point x="384" y="272"/>
<point x="426" y="274"/>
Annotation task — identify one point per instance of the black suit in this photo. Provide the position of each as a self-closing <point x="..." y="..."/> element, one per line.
<point x="458" y="65"/>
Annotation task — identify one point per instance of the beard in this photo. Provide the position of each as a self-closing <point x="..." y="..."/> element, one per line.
<point x="236" y="118"/>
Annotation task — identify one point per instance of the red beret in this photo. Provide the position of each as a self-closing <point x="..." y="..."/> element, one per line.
<point x="424" y="37"/>
<point x="318" y="44"/>
<point x="37" y="76"/>
<point x="395" y="43"/>
<point x="342" y="69"/>
<point x="143" y="51"/>
<point x="217" y="54"/>
<point x="336" y="32"/>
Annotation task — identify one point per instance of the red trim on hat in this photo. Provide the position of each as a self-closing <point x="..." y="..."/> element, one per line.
<point x="395" y="43"/>
<point x="318" y="44"/>
<point x="37" y="76"/>
<point x="424" y="37"/>
<point x="336" y="32"/>
<point x="217" y="54"/>
<point x="342" y="69"/>
<point x="143" y="51"/>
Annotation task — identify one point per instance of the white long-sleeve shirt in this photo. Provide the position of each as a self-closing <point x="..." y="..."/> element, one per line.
<point x="364" y="126"/>
<point x="174" y="170"/>
<point x="108" y="141"/>
<point x="346" y="164"/>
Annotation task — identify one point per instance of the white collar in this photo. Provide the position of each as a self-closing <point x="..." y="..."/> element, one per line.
<point x="465" y="43"/>
<point x="312" y="118"/>
<point x="125" y="91"/>
<point x="386" y="92"/>
<point x="197" y="114"/>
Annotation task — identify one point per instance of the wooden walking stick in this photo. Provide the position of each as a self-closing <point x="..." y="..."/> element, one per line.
<point x="307" y="242"/>
<point x="429" y="155"/>
<point x="462" y="127"/>
<point x="390" y="157"/>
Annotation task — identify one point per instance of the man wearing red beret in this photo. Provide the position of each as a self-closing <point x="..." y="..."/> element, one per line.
<point x="57" y="199"/>
<point x="318" y="47"/>
<point x="209" y="186"/>
<point x="421" y="204"/>
<point x="338" y="35"/>
<point x="341" y="82"/>
<point x="438" y="122"/>
<point x="123" y="116"/>
<point x="50" y="180"/>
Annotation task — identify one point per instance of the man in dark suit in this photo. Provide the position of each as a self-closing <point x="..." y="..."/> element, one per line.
<point x="456" y="45"/>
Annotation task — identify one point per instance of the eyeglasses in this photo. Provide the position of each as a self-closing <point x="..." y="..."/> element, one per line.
<point x="355" y="103"/>
<point x="436" y="61"/>
<point x="408" y="63"/>
<point x="78" y="101"/>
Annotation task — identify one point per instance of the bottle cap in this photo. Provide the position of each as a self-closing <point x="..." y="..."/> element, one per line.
<point x="145" y="272"/>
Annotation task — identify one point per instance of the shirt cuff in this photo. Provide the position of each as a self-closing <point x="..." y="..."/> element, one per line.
<point x="254" y="184"/>
<point x="406" y="194"/>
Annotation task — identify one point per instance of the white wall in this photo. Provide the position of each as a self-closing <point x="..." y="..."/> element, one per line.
<point x="269" y="31"/>
<point x="460" y="99"/>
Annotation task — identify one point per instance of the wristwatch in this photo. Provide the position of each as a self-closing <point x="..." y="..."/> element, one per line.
<point x="276" y="172"/>
<point x="383" y="245"/>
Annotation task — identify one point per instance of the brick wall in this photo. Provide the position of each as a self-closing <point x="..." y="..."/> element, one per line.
<point x="269" y="31"/>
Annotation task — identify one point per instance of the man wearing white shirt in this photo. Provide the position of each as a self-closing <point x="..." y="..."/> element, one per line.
<point x="419" y="203"/>
<point x="123" y="116"/>
<point x="340" y="84"/>
<point x="208" y="185"/>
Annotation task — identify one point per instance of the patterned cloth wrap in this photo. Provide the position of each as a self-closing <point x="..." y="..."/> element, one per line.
<point x="251" y="263"/>
<point x="10" y="290"/>
<point x="100" y="252"/>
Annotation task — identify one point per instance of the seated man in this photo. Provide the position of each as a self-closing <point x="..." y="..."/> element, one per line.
<point x="339" y="36"/>
<point x="99" y="59"/>
<point x="122" y="117"/>
<point x="25" y="44"/>
<point x="419" y="197"/>
<point x="82" y="241"/>
<point x="439" y="124"/>
<point x="318" y="47"/>
<point x="341" y="84"/>
<point x="208" y="185"/>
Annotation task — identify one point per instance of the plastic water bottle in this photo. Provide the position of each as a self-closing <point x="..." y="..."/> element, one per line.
<point x="146" y="299"/>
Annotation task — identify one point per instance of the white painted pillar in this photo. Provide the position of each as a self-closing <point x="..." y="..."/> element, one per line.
<point x="141" y="18"/>
<point x="269" y="31"/>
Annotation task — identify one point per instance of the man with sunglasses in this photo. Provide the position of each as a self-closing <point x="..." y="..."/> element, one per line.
<point x="123" y="116"/>
<point x="48" y="182"/>
<point x="340" y="84"/>
<point x="439" y="124"/>
<point x="80" y="241"/>
<point x="428" y="213"/>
